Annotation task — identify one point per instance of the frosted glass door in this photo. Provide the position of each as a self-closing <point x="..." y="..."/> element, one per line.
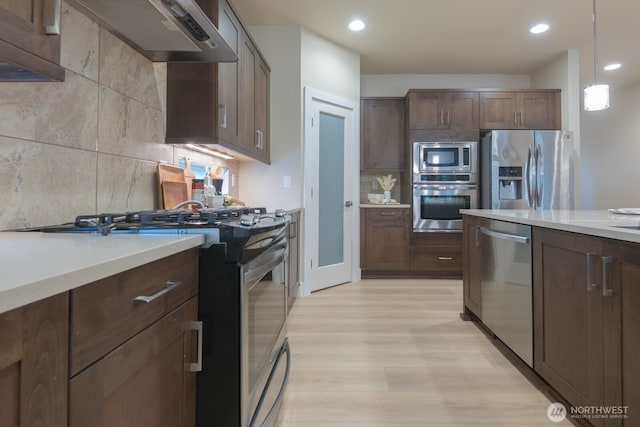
<point x="331" y="190"/>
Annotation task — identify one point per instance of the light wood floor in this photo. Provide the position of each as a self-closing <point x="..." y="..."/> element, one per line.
<point x="395" y="353"/>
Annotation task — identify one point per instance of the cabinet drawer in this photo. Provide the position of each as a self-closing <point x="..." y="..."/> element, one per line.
<point x="106" y="313"/>
<point x="393" y="215"/>
<point x="445" y="260"/>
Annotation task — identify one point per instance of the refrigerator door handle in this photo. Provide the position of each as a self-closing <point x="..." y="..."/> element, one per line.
<point x="539" y="178"/>
<point x="528" y="173"/>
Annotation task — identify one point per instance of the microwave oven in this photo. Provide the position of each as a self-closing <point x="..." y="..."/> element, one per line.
<point x="459" y="157"/>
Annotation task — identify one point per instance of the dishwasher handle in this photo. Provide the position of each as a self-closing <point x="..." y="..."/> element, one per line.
<point x="505" y="236"/>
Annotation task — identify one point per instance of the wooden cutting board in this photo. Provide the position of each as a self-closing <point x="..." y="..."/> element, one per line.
<point x="168" y="173"/>
<point x="173" y="193"/>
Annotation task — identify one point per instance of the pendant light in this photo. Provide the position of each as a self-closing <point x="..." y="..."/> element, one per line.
<point x="596" y="96"/>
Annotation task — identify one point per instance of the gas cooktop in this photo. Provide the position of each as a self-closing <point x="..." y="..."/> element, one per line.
<point x="106" y="223"/>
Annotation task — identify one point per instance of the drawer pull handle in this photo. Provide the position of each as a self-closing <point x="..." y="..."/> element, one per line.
<point x="197" y="367"/>
<point x="606" y="290"/>
<point x="445" y="258"/>
<point x="590" y="285"/>
<point x="170" y="285"/>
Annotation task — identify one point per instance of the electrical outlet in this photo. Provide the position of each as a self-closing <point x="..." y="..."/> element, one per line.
<point x="286" y="183"/>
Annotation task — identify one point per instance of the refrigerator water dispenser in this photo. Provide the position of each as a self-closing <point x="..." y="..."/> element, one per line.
<point x="510" y="183"/>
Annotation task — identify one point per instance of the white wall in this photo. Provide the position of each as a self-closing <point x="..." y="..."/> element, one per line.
<point x="610" y="152"/>
<point x="329" y="67"/>
<point x="399" y="84"/>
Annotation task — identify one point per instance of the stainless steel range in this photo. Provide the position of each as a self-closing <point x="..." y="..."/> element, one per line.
<point x="242" y="303"/>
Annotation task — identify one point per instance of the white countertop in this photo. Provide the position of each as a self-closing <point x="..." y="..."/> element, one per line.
<point x="595" y="223"/>
<point x="39" y="265"/>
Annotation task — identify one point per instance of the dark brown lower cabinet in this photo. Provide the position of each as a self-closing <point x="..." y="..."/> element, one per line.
<point x="568" y="315"/>
<point x="384" y="239"/>
<point x="389" y="247"/>
<point x="132" y="346"/>
<point x="472" y="268"/>
<point x="622" y="317"/>
<point x="436" y="254"/>
<point x="145" y="382"/>
<point x="587" y="322"/>
<point x="33" y="364"/>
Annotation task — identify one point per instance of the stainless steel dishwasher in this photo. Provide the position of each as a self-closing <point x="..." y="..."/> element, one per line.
<point x="507" y="296"/>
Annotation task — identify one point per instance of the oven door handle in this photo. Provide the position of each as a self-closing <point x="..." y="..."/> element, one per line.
<point x="263" y="266"/>
<point x="272" y="411"/>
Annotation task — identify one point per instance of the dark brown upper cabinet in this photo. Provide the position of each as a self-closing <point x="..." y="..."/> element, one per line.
<point x="30" y="40"/>
<point x="225" y="105"/>
<point x="442" y="109"/>
<point x="532" y="109"/>
<point x="382" y="134"/>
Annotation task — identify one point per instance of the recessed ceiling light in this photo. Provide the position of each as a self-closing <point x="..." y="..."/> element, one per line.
<point x="612" y="67"/>
<point x="539" y="28"/>
<point x="356" y="25"/>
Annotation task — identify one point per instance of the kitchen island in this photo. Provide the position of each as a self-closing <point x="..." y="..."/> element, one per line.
<point x="585" y="270"/>
<point x="594" y="223"/>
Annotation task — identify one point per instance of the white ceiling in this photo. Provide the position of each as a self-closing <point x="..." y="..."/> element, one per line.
<point x="467" y="36"/>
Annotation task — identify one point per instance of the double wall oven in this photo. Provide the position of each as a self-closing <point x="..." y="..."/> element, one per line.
<point x="445" y="180"/>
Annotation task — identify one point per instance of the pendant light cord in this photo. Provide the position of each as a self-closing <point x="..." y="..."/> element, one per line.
<point x="595" y="46"/>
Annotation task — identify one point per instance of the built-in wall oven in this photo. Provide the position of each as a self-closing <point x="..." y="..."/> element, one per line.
<point x="445" y="180"/>
<point x="437" y="207"/>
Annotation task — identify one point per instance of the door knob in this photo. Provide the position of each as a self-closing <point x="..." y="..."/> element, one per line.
<point x="348" y="204"/>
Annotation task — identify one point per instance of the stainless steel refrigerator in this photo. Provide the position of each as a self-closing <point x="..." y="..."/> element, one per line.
<point x="527" y="169"/>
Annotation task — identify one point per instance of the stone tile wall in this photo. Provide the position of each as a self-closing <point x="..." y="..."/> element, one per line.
<point x="91" y="143"/>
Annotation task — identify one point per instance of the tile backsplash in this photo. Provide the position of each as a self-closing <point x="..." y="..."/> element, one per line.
<point x="91" y="143"/>
<point x="369" y="184"/>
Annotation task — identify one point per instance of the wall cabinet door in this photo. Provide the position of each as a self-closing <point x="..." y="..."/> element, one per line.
<point x="443" y="110"/>
<point x="539" y="110"/>
<point x="262" y="110"/>
<point x="254" y="125"/>
<point x="384" y="244"/>
<point x="382" y="138"/>
<point x="425" y="110"/>
<point x="472" y="269"/>
<point x="568" y="316"/>
<point x="145" y="382"/>
<point x="520" y="110"/>
<point x="29" y="39"/>
<point x="33" y="364"/>
<point x="249" y="59"/>
<point x="228" y="78"/>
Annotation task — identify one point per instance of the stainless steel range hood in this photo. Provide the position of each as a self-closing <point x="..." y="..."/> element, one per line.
<point x="162" y="30"/>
